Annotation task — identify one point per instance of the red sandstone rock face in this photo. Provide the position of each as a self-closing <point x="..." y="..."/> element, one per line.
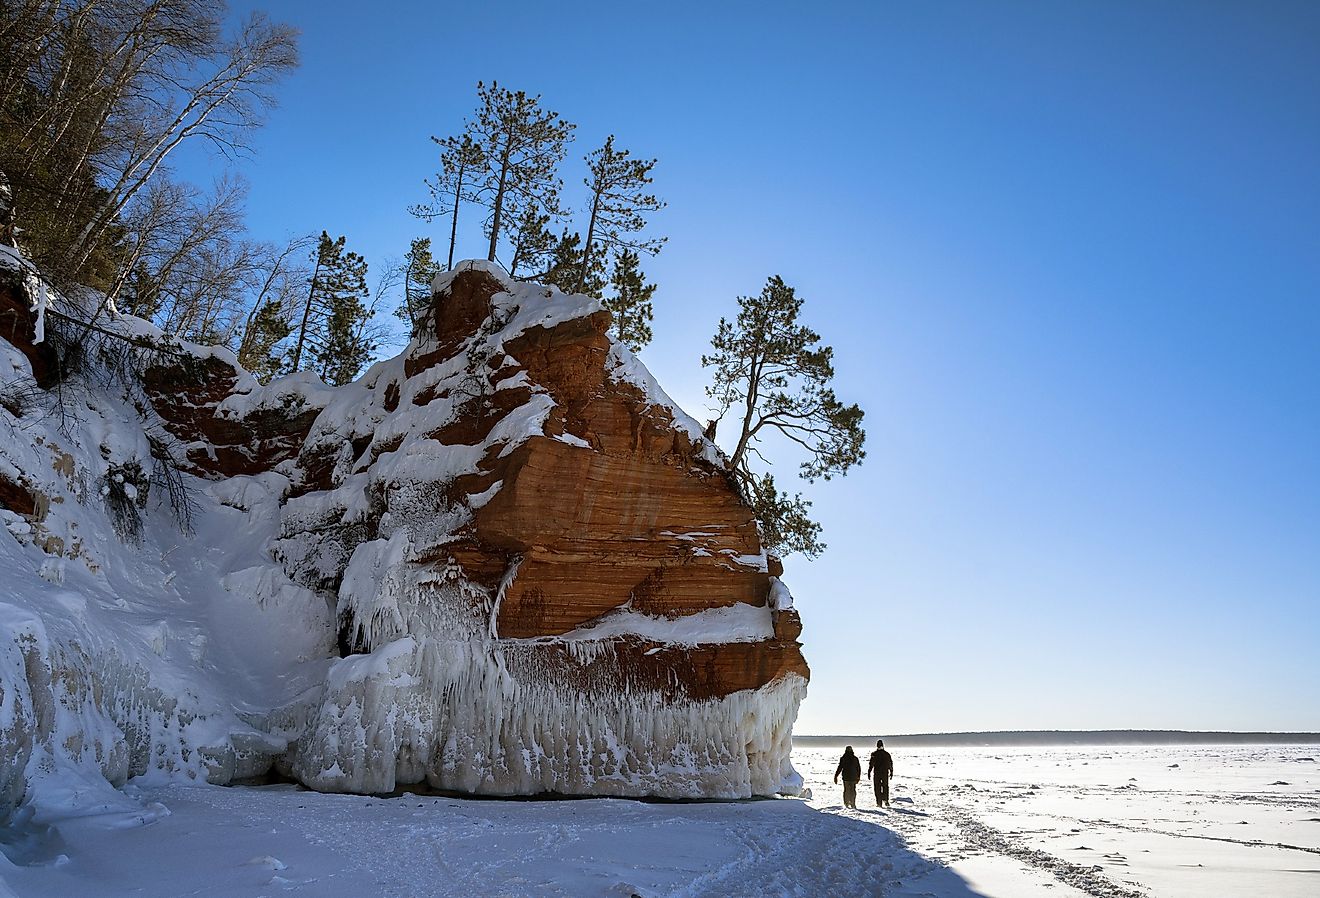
<point x="17" y="498"/>
<point x="611" y="505"/>
<point x="545" y="578"/>
<point x="187" y="395"/>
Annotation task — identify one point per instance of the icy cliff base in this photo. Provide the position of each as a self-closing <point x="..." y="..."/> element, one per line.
<point x="155" y="657"/>
<point x="501" y="645"/>
<point x="498" y="719"/>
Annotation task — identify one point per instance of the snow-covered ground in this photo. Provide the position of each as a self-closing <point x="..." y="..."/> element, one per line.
<point x="1169" y="821"/>
<point x="1004" y="823"/>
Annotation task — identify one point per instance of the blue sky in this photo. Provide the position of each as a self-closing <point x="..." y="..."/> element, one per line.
<point x="1068" y="256"/>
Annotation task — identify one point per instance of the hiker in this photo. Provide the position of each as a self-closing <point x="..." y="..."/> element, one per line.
<point x="851" y="768"/>
<point x="881" y="768"/>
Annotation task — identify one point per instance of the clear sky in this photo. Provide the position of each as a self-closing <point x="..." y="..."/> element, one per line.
<point x="1068" y="255"/>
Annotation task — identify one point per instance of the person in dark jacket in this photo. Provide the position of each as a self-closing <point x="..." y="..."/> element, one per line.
<point x="851" y="769"/>
<point x="880" y="770"/>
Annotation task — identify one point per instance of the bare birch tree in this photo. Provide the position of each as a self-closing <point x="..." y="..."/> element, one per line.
<point x="95" y="95"/>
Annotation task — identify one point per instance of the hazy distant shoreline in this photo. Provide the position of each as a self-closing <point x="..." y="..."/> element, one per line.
<point x="1070" y="737"/>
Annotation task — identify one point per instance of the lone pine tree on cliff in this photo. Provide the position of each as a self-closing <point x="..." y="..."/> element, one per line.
<point x="619" y="200"/>
<point x="419" y="269"/>
<point x="773" y="373"/>
<point x="521" y="146"/>
<point x="631" y="302"/>
<point x="331" y="333"/>
<point x="461" y="160"/>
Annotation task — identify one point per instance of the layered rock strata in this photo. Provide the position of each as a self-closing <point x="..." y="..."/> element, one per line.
<point x="549" y="579"/>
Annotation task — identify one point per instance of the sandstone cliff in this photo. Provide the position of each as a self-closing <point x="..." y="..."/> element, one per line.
<point x="540" y="576"/>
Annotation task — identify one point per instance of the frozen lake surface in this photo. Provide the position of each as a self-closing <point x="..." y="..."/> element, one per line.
<point x="1170" y="821"/>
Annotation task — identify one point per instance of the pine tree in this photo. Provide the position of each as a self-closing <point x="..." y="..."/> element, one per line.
<point x="533" y="244"/>
<point x="618" y="200"/>
<point x="331" y="331"/>
<point x="281" y="275"/>
<point x="344" y="352"/>
<point x="631" y="302"/>
<point x="265" y="330"/>
<point x="770" y="367"/>
<point x="566" y="269"/>
<point x="522" y="146"/>
<point x="461" y="161"/>
<point x="419" y="270"/>
<point x="785" y="521"/>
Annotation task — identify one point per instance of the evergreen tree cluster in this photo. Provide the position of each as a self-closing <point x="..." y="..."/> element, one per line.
<point x="768" y="367"/>
<point x="506" y="161"/>
<point x="334" y="315"/>
<point x="320" y="315"/>
<point x="95" y="96"/>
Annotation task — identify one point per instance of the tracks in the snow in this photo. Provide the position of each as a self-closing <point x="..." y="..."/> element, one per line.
<point x="1250" y="843"/>
<point x="1090" y="880"/>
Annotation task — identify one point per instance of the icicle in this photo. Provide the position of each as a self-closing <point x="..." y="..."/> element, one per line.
<point x="505" y="582"/>
<point x="40" y="294"/>
<point x="474" y="716"/>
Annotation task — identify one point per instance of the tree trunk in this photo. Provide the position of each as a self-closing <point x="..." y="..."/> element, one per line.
<point x="499" y="195"/>
<point x="245" y="343"/>
<point x="453" y="227"/>
<point x="202" y="103"/>
<point x="307" y="311"/>
<point x="591" y="233"/>
<point x="753" y="393"/>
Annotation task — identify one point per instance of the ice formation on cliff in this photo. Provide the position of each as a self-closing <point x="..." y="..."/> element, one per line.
<point x="213" y="655"/>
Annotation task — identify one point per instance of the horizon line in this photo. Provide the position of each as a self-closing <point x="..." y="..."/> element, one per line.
<point x="1060" y="732"/>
